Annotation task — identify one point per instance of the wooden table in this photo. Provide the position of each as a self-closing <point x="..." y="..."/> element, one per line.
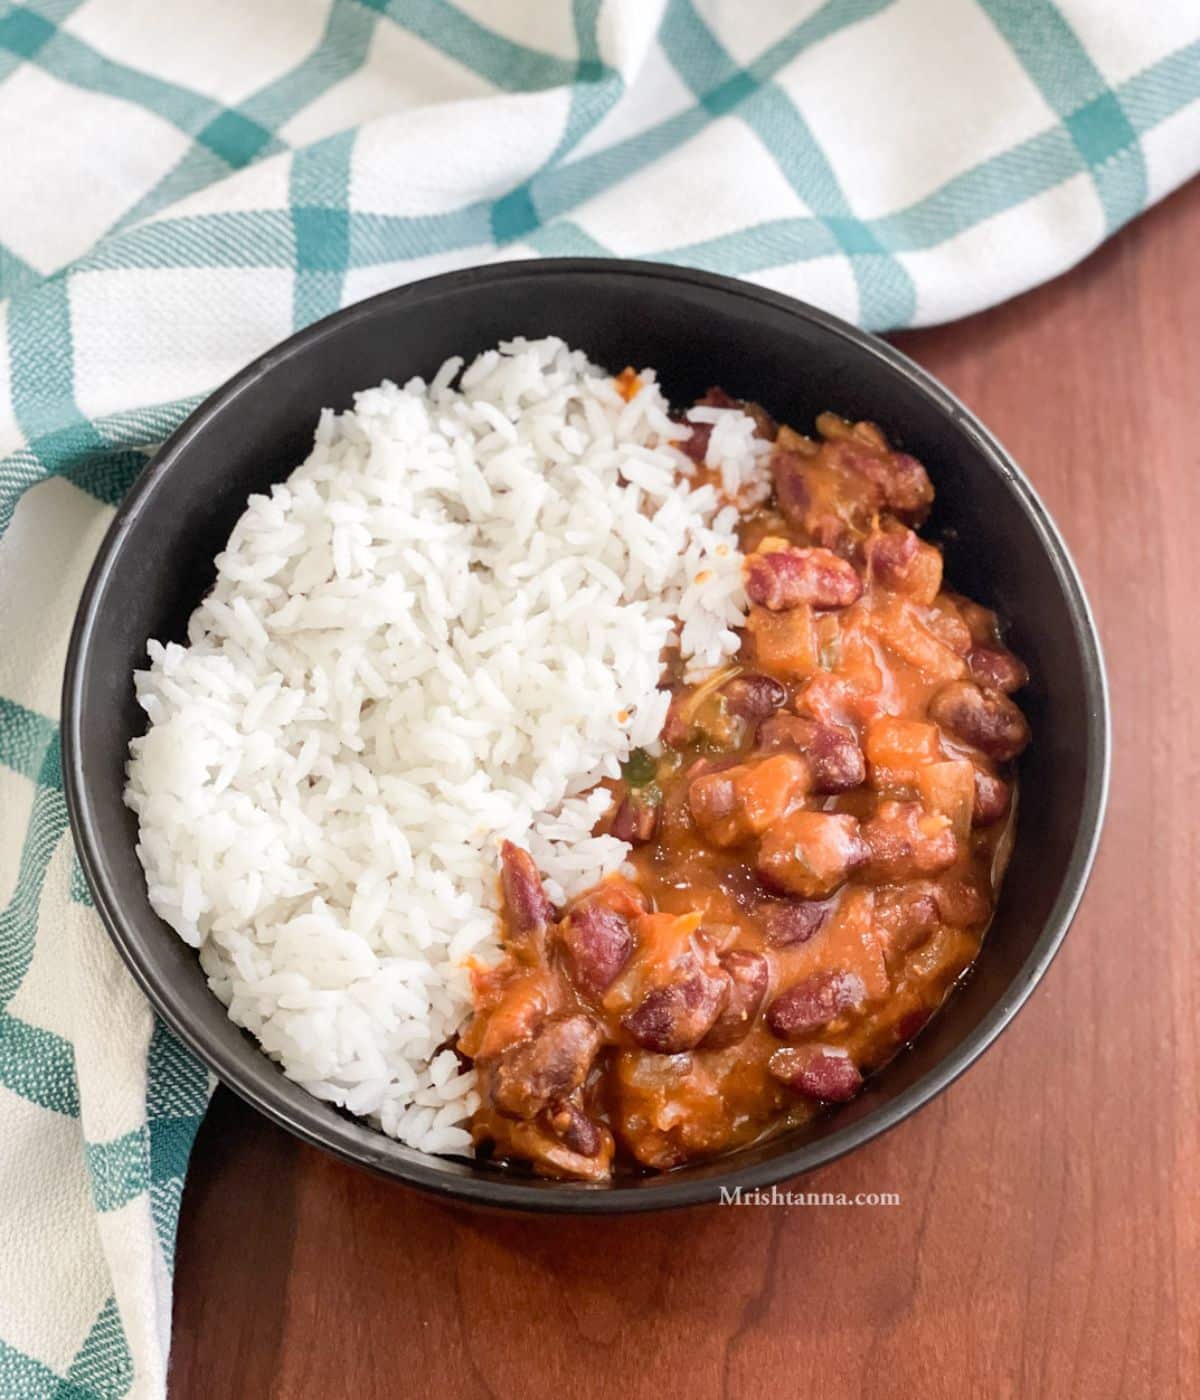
<point x="1047" y="1240"/>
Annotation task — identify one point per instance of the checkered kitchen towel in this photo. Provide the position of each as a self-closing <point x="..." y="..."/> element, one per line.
<point x="183" y="182"/>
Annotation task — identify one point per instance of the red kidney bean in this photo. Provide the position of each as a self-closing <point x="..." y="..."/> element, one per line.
<point x="993" y="796"/>
<point x="573" y="1128"/>
<point x="818" y="1071"/>
<point x="711" y="798"/>
<point x="596" y="943"/>
<point x="748" y="976"/>
<point x="907" y="915"/>
<point x="908" y="489"/>
<point x="780" y="580"/>
<point x="551" y="1065"/>
<point x="997" y="668"/>
<point x="897" y="560"/>
<point x="833" y="754"/>
<point x="731" y="807"/>
<point x="836" y="760"/>
<point x="786" y="924"/>
<point x="962" y="903"/>
<point x="677" y="1017"/>
<point x="985" y="719"/>
<point x="900" y="848"/>
<point x="792" y="494"/>
<point x="529" y="908"/>
<point x="635" y="821"/>
<point x="808" y="1005"/>
<point x="889" y="553"/>
<point x="904" y="482"/>
<point x="753" y="697"/>
<point x="677" y="731"/>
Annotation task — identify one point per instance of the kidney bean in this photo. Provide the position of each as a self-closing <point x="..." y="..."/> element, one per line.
<point x="836" y="760"/>
<point x="712" y="799"/>
<point x="961" y="903"/>
<point x="997" y="668"/>
<point x="792" y="494"/>
<point x="529" y="908"/>
<point x="677" y="1017"/>
<point x="793" y="922"/>
<point x="551" y="1065"/>
<point x="808" y="1005"/>
<point x="889" y="553"/>
<point x="818" y="1071"/>
<point x="907" y="915"/>
<point x="748" y="976"/>
<point x="904" y="482"/>
<point x="731" y="806"/>
<point x="811" y="854"/>
<point x="993" y="796"/>
<point x="753" y="697"/>
<point x="723" y="801"/>
<point x="635" y="821"/>
<point x="833" y="754"/>
<point x="596" y="943"/>
<point x="782" y="580"/>
<point x="900" y="561"/>
<point x="986" y="719"/>
<point x="573" y="1128"/>
<point x="677" y="731"/>
<point x="904" y="841"/>
<point x="908" y="489"/>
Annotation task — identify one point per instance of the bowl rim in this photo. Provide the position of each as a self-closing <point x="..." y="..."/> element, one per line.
<point x="663" y="1192"/>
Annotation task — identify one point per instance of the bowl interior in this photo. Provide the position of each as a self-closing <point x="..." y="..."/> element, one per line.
<point x="697" y="331"/>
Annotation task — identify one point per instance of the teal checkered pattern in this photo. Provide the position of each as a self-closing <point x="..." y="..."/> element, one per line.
<point x="181" y="185"/>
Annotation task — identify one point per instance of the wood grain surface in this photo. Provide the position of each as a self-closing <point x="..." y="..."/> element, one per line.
<point x="1046" y="1243"/>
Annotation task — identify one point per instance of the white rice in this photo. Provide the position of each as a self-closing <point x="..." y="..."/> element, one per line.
<point x="442" y="630"/>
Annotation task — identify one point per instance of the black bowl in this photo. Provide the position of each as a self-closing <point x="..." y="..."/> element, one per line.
<point x="1001" y="547"/>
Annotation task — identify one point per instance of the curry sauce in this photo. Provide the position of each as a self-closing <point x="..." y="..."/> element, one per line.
<point x="816" y="846"/>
